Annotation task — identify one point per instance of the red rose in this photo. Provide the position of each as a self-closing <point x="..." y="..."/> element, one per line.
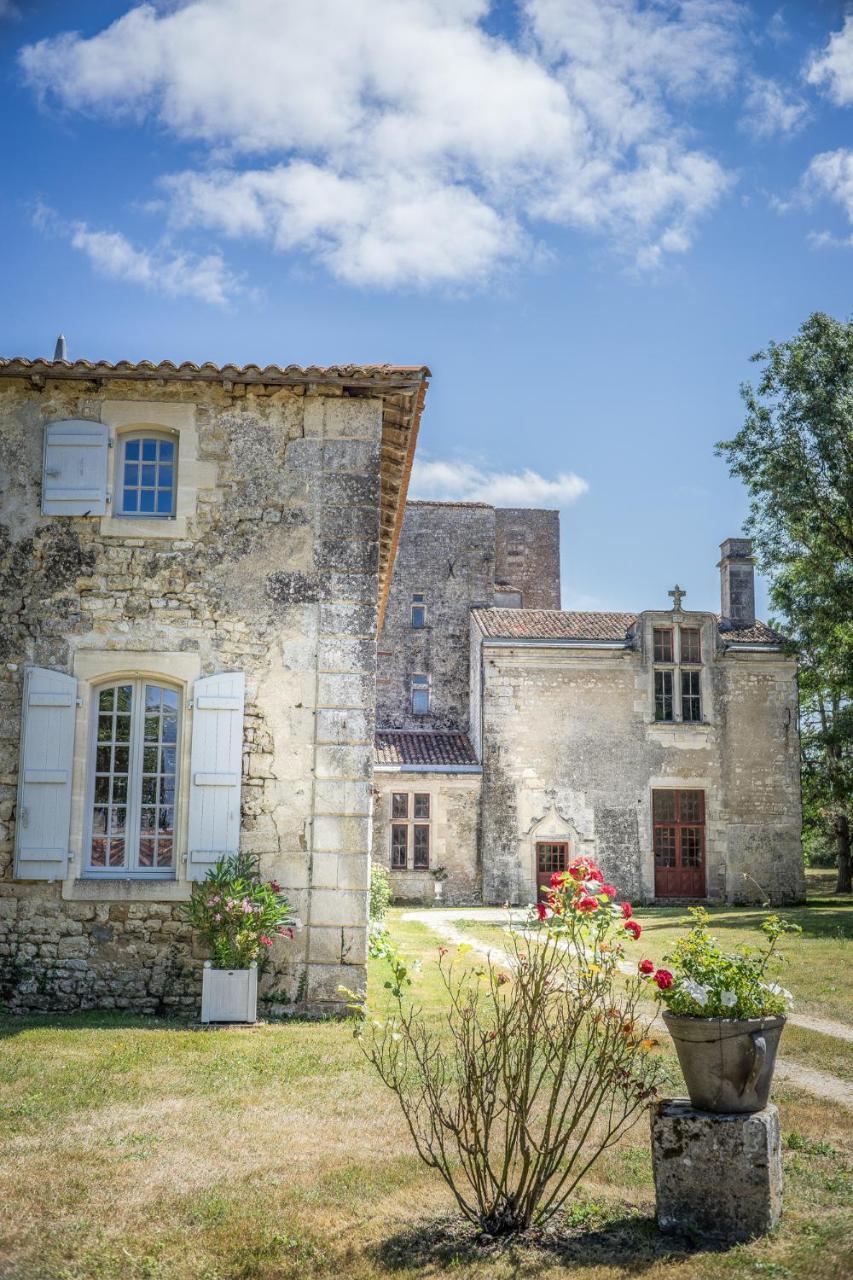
<point x="633" y="928"/>
<point x="627" y="910"/>
<point x="595" y="874"/>
<point x="646" y="966"/>
<point x="608" y="889"/>
<point x="663" y="978"/>
<point x="541" y="910"/>
<point x="587" y="904"/>
<point x="557" y="879"/>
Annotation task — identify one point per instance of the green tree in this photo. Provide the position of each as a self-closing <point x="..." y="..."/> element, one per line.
<point x="794" y="453"/>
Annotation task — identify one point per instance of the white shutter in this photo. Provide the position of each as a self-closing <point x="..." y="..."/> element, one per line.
<point x="43" y="819"/>
<point x="74" y="480"/>
<point x="215" y="766"/>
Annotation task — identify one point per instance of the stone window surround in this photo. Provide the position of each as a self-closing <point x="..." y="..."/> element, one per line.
<point x="706" y="625"/>
<point x="93" y="667"/>
<point x="410" y="822"/>
<point x="175" y="419"/>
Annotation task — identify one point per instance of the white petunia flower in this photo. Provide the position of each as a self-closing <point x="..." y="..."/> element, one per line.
<point x="778" y="990"/>
<point x="695" y="990"/>
<point x="729" y="999"/>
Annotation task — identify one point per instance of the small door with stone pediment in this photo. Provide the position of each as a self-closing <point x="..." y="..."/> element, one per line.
<point x="679" y="843"/>
<point x="551" y="856"/>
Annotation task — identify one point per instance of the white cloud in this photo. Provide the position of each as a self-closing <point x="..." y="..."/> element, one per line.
<point x="412" y="147"/>
<point x="770" y="109"/>
<point x="832" y="69"/>
<point x="830" y="174"/>
<point x="466" y="482"/>
<point x="175" y="273"/>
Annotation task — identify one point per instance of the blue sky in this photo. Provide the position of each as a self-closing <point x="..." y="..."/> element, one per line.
<point x="584" y="215"/>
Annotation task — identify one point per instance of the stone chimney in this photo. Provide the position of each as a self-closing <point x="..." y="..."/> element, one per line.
<point x="737" y="582"/>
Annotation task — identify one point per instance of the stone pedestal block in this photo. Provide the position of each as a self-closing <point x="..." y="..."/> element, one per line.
<point x="716" y="1176"/>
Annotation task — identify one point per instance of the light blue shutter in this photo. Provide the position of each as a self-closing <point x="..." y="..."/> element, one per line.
<point x="74" y="480"/>
<point x="215" y="766"/>
<point x="43" y="818"/>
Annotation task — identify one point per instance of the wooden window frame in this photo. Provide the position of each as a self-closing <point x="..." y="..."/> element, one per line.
<point x="131" y="869"/>
<point x="673" y="671"/>
<point x="414" y="822"/>
<point x="418" y="606"/>
<point x="424" y="685"/>
<point x="121" y="489"/>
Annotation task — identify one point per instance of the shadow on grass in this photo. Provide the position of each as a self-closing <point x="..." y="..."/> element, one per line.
<point x="820" y="919"/>
<point x="14" y="1024"/>
<point x="632" y="1242"/>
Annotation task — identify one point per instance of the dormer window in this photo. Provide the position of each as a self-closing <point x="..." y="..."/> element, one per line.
<point x="677" y="674"/>
<point x="147" y="471"/>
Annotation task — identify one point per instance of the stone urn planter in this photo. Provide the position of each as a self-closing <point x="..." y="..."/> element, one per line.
<point x="438" y="889"/>
<point x="229" y="995"/>
<point x="727" y="1063"/>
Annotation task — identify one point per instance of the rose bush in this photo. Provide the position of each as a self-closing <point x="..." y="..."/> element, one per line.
<point x="238" y="913"/>
<point x="709" y="982"/>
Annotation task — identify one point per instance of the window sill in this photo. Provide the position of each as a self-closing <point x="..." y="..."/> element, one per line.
<point x="115" y="526"/>
<point x="107" y="889"/>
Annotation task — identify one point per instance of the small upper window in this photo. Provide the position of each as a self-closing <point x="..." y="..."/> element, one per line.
<point x="418" y="611"/>
<point x="147" y="470"/>
<point x="420" y="695"/>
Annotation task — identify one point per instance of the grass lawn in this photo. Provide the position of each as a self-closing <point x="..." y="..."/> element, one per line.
<point x="133" y="1148"/>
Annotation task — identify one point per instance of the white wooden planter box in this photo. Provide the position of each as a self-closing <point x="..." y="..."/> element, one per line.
<point x="229" y="995"/>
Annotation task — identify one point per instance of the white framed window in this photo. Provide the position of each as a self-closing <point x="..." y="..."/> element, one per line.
<point x="418" y="611"/>
<point x="410" y="830"/>
<point x="420" y="693"/>
<point x="133" y="772"/>
<point x="147" y="470"/>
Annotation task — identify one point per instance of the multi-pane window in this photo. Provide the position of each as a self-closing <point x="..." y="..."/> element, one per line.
<point x="418" y="611"/>
<point x="678" y="819"/>
<point x="420" y="695"/>
<point x="410" y="830"/>
<point x="133" y="786"/>
<point x="677" y="673"/>
<point x="147" y="467"/>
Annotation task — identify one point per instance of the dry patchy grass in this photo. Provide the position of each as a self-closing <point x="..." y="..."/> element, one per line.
<point x="133" y="1149"/>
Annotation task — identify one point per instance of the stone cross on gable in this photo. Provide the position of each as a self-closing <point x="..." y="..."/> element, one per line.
<point x="678" y="593"/>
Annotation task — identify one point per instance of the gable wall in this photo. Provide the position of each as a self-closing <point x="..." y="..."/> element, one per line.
<point x="272" y="570"/>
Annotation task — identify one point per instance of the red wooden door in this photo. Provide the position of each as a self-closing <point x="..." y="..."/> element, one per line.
<point x="679" y="844"/>
<point x="551" y="856"/>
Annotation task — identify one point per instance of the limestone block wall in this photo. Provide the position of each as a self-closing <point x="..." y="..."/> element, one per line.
<point x="447" y="553"/>
<point x="570" y="752"/>
<point x="527" y="554"/>
<point x="454" y="838"/>
<point x="269" y="568"/>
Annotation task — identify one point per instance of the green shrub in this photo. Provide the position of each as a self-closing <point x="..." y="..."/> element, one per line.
<point x="237" y="913"/>
<point x="380" y="891"/>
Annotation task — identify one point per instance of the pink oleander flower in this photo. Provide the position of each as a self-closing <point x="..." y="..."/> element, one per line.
<point x="247" y="907"/>
<point x="265" y="941"/>
<point x="275" y="886"/>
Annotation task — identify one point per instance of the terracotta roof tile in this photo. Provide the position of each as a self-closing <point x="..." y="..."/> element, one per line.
<point x="22" y="366"/>
<point x="423" y="747"/>
<point x="561" y="624"/>
<point x="553" y="624"/>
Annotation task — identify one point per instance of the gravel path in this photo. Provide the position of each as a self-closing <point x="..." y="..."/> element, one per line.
<point x="443" y="922"/>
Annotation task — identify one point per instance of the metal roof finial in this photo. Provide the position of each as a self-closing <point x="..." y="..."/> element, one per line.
<point x="60" y="351"/>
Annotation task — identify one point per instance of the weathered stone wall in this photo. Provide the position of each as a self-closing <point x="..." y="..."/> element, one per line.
<point x="276" y="575"/>
<point x="452" y="553"/>
<point x="454" y="841"/>
<point x="447" y="552"/>
<point x="570" y="752"/>
<point x="527" y="554"/>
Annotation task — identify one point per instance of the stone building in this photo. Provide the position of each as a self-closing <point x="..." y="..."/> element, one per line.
<point x="193" y="560"/>
<point x="452" y="557"/>
<point x="663" y="743"/>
